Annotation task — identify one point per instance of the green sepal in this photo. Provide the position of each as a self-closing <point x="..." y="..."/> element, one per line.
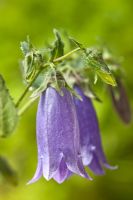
<point x="73" y="92"/>
<point x="42" y="82"/>
<point x="91" y="94"/>
<point x="8" y="111"/>
<point x="51" y="77"/>
<point x="58" y="82"/>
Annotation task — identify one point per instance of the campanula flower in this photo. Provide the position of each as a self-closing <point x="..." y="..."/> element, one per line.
<point x="58" y="137"/>
<point x="120" y="101"/>
<point x="91" y="147"/>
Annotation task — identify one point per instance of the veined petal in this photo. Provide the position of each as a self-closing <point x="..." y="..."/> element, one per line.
<point x="62" y="173"/>
<point x="91" y="146"/>
<point x="95" y="165"/>
<point x="70" y="136"/>
<point x="58" y="137"/>
<point x="48" y="132"/>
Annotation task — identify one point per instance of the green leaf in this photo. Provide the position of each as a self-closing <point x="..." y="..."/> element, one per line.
<point x="107" y="78"/>
<point x="73" y="92"/>
<point x="26" y="46"/>
<point x="31" y="64"/>
<point x="57" y="81"/>
<point x="76" y="43"/>
<point x="54" y="78"/>
<point x="8" y="111"/>
<point x="49" y="76"/>
<point x="7" y="172"/>
<point x="97" y="64"/>
<point x="95" y="60"/>
<point x="29" y="69"/>
<point x="42" y="82"/>
<point x="58" y="48"/>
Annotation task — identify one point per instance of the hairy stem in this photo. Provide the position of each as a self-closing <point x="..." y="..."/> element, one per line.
<point x="66" y="55"/>
<point x="26" y="106"/>
<point x="27" y="89"/>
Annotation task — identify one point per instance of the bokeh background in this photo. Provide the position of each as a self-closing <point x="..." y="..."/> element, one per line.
<point x="88" y="21"/>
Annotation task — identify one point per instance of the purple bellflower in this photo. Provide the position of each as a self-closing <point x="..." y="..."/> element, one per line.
<point x="91" y="147"/>
<point x="120" y="101"/>
<point x="58" y="138"/>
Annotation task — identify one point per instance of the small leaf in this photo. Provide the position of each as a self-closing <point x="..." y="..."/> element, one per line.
<point x="96" y="62"/>
<point x="7" y="172"/>
<point x="76" y="43"/>
<point x="58" y="48"/>
<point x="26" y="46"/>
<point x="28" y="66"/>
<point x="31" y="64"/>
<point x="107" y="77"/>
<point x="73" y="92"/>
<point x="8" y="111"/>
<point x="58" y="81"/>
<point x="41" y="82"/>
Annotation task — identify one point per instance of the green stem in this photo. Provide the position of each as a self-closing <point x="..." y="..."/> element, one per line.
<point x="66" y="55"/>
<point x="54" y="61"/>
<point x="27" y="88"/>
<point x="26" y="106"/>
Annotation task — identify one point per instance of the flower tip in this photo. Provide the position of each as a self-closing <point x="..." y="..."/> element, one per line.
<point x="90" y="178"/>
<point x="59" y="181"/>
<point x="29" y="182"/>
<point x="33" y="180"/>
<point x="87" y="177"/>
<point x="48" y="175"/>
<point x="111" y="167"/>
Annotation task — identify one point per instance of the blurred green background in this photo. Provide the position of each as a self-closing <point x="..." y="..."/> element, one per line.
<point x="88" y="21"/>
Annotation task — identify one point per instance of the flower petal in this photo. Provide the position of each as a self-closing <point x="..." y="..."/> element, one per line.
<point x="71" y="138"/>
<point x="62" y="173"/>
<point x="48" y="132"/>
<point x="58" y="134"/>
<point x="95" y="165"/>
<point x="38" y="173"/>
<point x="89" y="129"/>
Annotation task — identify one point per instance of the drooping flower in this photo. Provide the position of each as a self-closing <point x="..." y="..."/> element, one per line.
<point x="120" y="101"/>
<point x="57" y="137"/>
<point x="91" y="146"/>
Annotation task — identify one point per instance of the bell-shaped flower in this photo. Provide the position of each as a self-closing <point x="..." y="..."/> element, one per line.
<point x="120" y="101"/>
<point x="58" y="137"/>
<point x="91" y="147"/>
